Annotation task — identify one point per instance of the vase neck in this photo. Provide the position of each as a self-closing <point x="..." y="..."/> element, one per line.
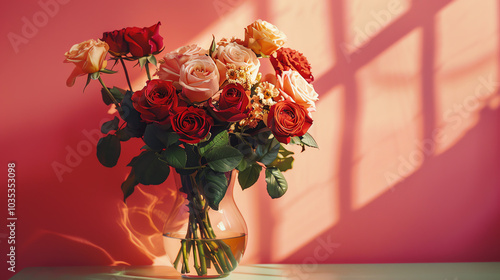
<point x="186" y="183"/>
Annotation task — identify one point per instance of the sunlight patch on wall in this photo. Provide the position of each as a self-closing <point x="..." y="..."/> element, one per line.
<point x="366" y="19"/>
<point x="390" y="117"/>
<point x="306" y="27"/>
<point x="308" y="210"/>
<point x="466" y="68"/>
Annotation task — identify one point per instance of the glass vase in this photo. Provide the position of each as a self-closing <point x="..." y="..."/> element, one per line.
<point x="202" y="242"/>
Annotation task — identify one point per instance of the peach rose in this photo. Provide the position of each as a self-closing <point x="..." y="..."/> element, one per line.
<point x="237" y="55"/>
<point x="293" y="86"/>
<point x="263" y="38"/>
<point x="170" y="65"/>
<point x="199" y="78"/>
<point x="88" y="57"/>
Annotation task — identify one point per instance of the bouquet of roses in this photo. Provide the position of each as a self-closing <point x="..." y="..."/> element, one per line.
<point x="206" y="112"/>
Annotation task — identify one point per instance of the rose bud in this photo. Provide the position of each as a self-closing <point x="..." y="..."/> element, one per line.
<point x="156" y="101"/>
<point x="287" y="59"/>
<point x="232" y="105"/>
<point x="192" y="124"/>
<point x="287" y="119"/>
<point x="116" y="41"/>
<point x="144" y="41"/>
<point x="89" y="57"/>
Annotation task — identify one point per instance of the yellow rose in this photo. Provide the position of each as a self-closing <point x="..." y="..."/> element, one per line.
<point x="263" y="38"/>
<point x="88" y="57"/>
<point x="293" y="86"/>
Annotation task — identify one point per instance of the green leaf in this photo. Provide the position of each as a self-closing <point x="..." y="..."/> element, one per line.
<point x="108" y="150"/>
<point x="242" y="165"/>
<point x="110" y="125"/>
<point x="87" y="83"/>
<point x="128" y="185"/>
<point x="295" y="140"/>
<point x="284" y="152"/>
<point x="149" y="169"/>
<point x="268" y="153"/>
<point x="219" y="140"/>
<point x="214" y="187"/>
<point x="152" y="59"/>
<point x="107" y="71"/>
<point x="249" y="176"/>
<point x="175" y="156"/>
<point x="122" y="135"/>
<point x="283" y="164"/>
<point x="193" y="160"/>
<point x="213" y="46"/>
<point x="158" y="138"/>
<point x="284" y="160"/>
<point x="308" y="140"/>
<point x="115" y="91"/>
<point x="276" y="183"/>
<point x="223" y="159"/>
<point x="142" y="61"/>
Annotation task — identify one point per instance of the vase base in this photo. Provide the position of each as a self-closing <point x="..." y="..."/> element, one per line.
<point x="205" y="276"/>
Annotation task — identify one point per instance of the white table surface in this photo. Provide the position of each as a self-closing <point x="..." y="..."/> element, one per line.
<point x="417" y="271"/>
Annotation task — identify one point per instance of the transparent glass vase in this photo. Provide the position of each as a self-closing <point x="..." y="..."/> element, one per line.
<point x="202" y="242"/>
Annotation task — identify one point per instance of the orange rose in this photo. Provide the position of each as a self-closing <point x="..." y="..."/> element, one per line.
<point x="287" y="119"/>
<point x="263" y="38"/>
<point x="293" y="86"/>
<point x="88" y="57"/>
<point x="199" y="78"/>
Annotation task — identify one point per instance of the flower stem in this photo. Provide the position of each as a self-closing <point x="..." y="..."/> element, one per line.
<point x="109" y="93"/>
<point x="200" y="238"/>
<point x="126" y="74"/>
<point x="147" y="70"/>
<point x="185" y="256"/>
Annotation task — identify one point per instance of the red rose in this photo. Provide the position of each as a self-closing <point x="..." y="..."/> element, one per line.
<point x="144" y="41"/>
<point x="288" y="119"/>
<point x="288" y="59"/>
<point x="192" y="124"/>
<point x="233" y="104"/>
<point x="156" y="101"/>
<point x="116" y="41"/>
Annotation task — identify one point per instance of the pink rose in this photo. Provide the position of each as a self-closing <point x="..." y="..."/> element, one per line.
<point x="293" y="86"/>
<point x="199" y="78"/>
<point x="237" y="55"/>
<point x="170" y="66"/>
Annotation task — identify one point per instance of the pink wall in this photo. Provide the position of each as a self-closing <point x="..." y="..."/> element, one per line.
<point x="408" y="123"/>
